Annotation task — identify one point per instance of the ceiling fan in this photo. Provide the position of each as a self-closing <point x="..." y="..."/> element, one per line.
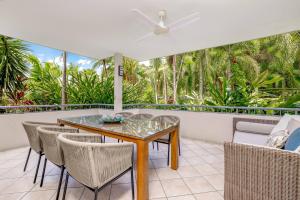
<point x="161" y="27"/>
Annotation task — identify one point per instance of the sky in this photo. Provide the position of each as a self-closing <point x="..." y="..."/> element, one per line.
<point x="46" y="54"/>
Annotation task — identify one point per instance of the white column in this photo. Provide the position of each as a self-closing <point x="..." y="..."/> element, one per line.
<point x="118" y="83"/>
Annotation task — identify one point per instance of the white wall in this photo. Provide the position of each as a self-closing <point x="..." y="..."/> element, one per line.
<point x="213" y="127"/>
<point x="12" y="133"/>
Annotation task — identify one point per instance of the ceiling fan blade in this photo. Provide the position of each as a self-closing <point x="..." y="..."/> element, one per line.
<point x="145" y="37"/>
<point x="179" y="26"/>
<point x="147" y="18"/>
<point x="184" y="21"/>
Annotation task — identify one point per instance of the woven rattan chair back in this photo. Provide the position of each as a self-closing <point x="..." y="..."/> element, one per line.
<point x="32" y="134"/>
<point x="48" y="135"/>
<point x="125" y="114"/>
<point x="142" y="116"/>
<point x="93" y="163"/>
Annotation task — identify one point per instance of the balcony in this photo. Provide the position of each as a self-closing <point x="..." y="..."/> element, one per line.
<point x="201" y="166"/>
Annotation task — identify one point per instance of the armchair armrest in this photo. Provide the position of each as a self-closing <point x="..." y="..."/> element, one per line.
<point x="256" y="172"/>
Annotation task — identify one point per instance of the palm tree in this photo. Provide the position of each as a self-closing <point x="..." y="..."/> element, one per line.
<point x="64" y="81"/>
<point x="13" y="68"/>
<point x="44" y="82"/>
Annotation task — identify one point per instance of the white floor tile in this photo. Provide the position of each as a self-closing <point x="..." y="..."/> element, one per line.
<point x="38" y="195"/>
<point x="198" y="185"/>
<point x="209" y="196"/>
<point x="175" y="187"/>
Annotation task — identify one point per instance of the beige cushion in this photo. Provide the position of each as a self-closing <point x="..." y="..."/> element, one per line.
<point x="277" y="140"/>
<point x="282" y="124"/>
<point x="250" y="138"/>
<point x="251" y="127"/>
<point x="293" y="125"/>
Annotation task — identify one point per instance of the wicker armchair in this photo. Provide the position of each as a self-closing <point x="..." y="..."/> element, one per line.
<point x="141" y="116"/>
<point x="95" y="164"/>
<point x="34" y="141"/>
<point x="166" y="139"/>
<point x="256" y="172"/>
<point x="125" y="114"/>
<point x="52" y="151"/>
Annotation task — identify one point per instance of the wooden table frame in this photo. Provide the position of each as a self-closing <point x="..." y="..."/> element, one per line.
<point x="142" y="151"/>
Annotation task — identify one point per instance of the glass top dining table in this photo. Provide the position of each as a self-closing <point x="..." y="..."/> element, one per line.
<point x="135" y="128"/>
<point x="140" y="132"/>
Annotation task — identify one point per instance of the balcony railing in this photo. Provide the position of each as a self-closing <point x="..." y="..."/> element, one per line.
<point x="48" y="108"/>
<point x="219" y="109"/>
<point x="178" y="107"/>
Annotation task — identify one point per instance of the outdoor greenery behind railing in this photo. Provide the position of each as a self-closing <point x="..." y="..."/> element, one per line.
<point x="193" y="108"/>
<point x="47" y="108"/>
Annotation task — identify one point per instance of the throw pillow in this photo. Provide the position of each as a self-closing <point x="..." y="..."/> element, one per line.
<point x="293" y="141"/>
<point x="278" y="139"/>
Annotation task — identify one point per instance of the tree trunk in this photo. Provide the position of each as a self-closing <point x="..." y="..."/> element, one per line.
<point x="104" y="69"/>
<point x="155" y="91"/>
<point x="174" y="80"/>
<point x="64" y="81"/>
<point x="228" y="71"/>
<point x="201" y="78"/>
<point x="165" y="86"/>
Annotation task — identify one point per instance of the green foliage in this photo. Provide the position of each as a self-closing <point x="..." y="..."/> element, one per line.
<point x="13" y="55"/>
<point x="259" y="73"/>
<point x="44" y="82"/>
<point x="86" y="87"/>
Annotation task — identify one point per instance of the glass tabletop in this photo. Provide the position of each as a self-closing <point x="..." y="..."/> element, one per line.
<point x="129" y="127"/>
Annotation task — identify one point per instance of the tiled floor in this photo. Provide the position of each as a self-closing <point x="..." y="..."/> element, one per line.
<point x="200" y="176"/>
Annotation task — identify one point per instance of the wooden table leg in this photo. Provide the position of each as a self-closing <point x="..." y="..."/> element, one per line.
<point x="142" y="170"/>
<point x="174" y="149"/>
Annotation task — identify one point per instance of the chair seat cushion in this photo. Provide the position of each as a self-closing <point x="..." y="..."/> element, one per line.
<point x="250" y="138"/>
<point x="293" y="141"/>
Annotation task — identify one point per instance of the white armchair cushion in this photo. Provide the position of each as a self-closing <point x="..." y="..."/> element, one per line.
<point x="250" y="138"/>
<point x="293" y="124"/>
<point x="282" y="124"/>
<point x="257" y="128"/>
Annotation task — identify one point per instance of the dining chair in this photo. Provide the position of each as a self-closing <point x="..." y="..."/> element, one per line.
<point x="166" y="139"/>
<point x="34" y="141"/>
<point x="52" y="151"/>
<point x="95" y="164"/>
<point x="125" y="114"/>
<point x="141" y="116"/>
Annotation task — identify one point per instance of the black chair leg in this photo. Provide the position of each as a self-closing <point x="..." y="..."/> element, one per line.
<point x="37" y="167"/>
<point x="96" y="194"/>
<point x="29" y="152"/>
<point x="132" y="183"/>
<point x="43" y="174"/>
<point x="103" y="139"/>
<point x="152" y="145"/>
<point x="60" y="181"/>
<point x="118" y="140"/>
<point x="157" y="146"/>
<point x="66" y="185"/>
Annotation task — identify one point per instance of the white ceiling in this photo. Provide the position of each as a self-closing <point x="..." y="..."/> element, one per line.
<point x="100" y="28"/>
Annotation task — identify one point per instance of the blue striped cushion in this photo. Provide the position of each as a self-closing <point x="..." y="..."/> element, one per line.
<point x="293" y="141"/>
